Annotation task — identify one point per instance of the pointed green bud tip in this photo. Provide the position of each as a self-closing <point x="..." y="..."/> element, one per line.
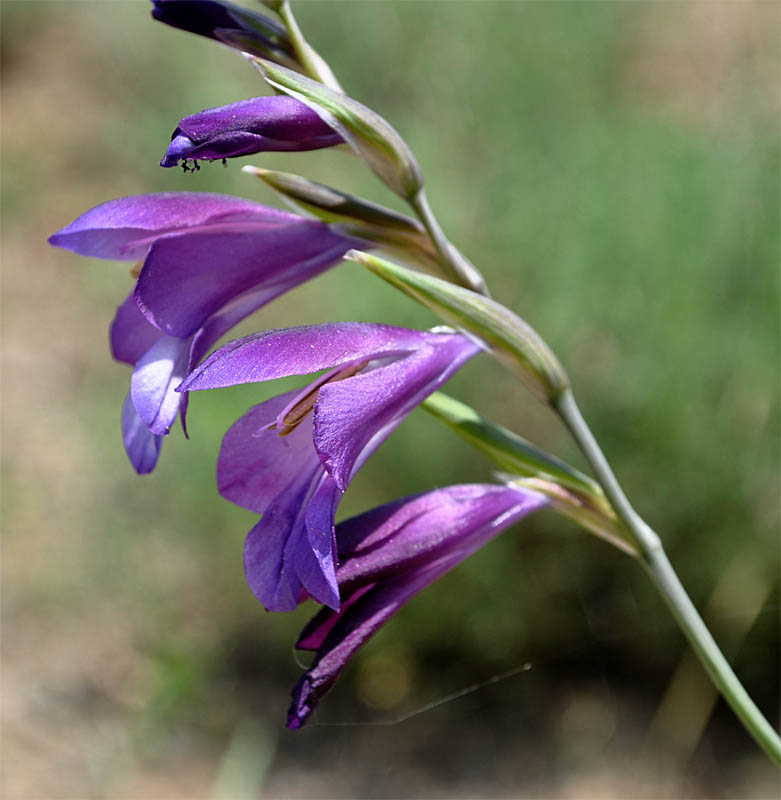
<point x="373" y="138"/>
<point x="505" y="334"/>
<point x="355" y="216"/>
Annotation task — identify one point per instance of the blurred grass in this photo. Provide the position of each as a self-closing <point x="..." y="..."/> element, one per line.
<point x="613" y="169"/>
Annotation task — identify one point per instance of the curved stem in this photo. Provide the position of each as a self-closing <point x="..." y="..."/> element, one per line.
<point x="663" y="575"/>
<point x="457" y="267"/>
<point x="313" y="62"/>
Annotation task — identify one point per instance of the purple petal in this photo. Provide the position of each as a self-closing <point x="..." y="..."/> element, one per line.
<point x="154" y="381"/>
<point x="186" y="278"/>
<point x="397" y="551"/>
<point x="142" y="447"/>
<point x="298" y="351"/>
<point x="319" y="577"/>
<point x="364" y="409"/>
<point x="293" y="544"/>
<point x="123" y="229"/>
<point x="130" y="334"/>
<point x="256" y="465"/>
<point x="274" y="545"/>
<point x="421" y="529"/>
<point x="361" y="620"/>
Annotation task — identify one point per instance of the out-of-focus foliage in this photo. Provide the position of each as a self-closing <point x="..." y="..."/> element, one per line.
<point x="613" y="170"/>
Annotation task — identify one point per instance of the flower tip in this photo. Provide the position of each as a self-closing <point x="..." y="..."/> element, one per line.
<point x="303" y="704"/>
<point x="256" y="172"/>
<point x="355" y="255"/>
<point x="180" y="149"/>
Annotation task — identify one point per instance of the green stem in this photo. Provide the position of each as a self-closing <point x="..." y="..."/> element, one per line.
<point x="456" y="266"/>
<point x="663" y="575"/>
<point x="314" y="64"/>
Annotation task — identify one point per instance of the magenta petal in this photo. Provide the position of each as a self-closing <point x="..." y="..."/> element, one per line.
<point x="130" y="334"/>
<point x="299" y="351"/>
<point x="154" y="381"/>
<point x="123" y="229"/>
<point x="186" y="278"/>
<point x="366" y="408"/>
<point x="141" y="446"/>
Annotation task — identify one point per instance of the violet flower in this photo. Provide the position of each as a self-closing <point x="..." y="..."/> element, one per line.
<point x="230" y="24"/>
<point x="293" y="467"/>
<point x="209" y="260"/>
<point x="249" y="126"/>
<point x="387" y="556"/>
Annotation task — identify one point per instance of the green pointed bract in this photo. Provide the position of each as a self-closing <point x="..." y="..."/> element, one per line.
<point x="355" y="216"/>
<point x="508" y="337"/>
<point x="572" y="493"/>
<point x="373" y="138"/>
<point x="508" y="451"/>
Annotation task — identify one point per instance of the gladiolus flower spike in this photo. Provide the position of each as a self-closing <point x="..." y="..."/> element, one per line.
<point x="209" y="260"/>
<point x="293" y="466"/>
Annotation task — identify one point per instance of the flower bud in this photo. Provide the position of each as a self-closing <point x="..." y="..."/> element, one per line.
<point x="373" y="138"/>
<point x="249" y="126"/>
<point x="230" y="24"/>
<point x="508" y="337"/>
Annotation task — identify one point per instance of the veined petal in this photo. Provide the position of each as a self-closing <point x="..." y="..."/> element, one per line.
<point x="366" y="408"/>
<point x="187" y="278"/>
<point x="390" y="554"/>
<point x="154" y="381"/>
<point x="123" y="229"/>
<point x="299" y="351"/>
<point x="141" y="446"/>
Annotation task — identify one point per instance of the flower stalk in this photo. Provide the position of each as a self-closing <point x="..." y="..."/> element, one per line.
<point x="456" y="265"/>
<point x="665" y="579"/>
<point x="313" y="63"/>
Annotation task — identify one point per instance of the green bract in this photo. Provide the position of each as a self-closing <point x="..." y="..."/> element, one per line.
<point x="355" y="216"/>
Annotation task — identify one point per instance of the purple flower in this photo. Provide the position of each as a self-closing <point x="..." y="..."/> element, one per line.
<point x="387" y="556"/>
<point x="293" y="467"/>
<point x="249" y="126"/>
<point x="208" y="261"/>
<point x="230" y="24"/>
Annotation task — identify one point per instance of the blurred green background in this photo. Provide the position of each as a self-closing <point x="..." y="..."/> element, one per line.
<point x="613" y="168"/>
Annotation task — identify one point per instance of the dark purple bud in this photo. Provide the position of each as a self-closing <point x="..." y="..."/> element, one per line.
<point x="230" y="24"/>
<point x="249" y="126"/>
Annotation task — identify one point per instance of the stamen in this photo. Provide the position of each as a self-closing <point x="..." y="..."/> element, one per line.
<point x="305" y="402"/>
<point x="135" y="270"/>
